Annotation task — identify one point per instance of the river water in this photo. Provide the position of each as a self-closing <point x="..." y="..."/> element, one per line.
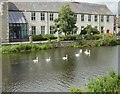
<point x="21" y="74"/>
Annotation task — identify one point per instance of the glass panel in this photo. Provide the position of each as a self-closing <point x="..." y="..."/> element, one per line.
<point x="42" y="29"/>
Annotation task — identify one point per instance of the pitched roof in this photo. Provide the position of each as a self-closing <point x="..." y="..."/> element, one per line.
<point x="77" y="7"/>
<point x="16" y="17"/>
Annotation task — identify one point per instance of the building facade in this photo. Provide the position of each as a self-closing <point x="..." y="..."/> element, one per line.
<point x="118" y="16"/>
<point x="26" y="18"/>
<point x="4" y="26"/>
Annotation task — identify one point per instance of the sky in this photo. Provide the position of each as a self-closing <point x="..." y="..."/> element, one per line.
<point x="112" y="4"/>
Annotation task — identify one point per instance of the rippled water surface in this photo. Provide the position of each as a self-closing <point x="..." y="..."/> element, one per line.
<point x="21" y="74"/>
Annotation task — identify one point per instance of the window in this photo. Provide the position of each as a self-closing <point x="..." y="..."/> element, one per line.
<point x="82" y="17"/>
<point x="89" y="17"/>
<point x="108" y="18"/>
<point x="42" y="16"/>
<point x="102" y="29"/>
<point x="51" y="16"/>
<point x="51" y="28"/>
<point x="96" y="18"/>
<point x="102" y="18"/>
<point x="33" y="28"/>
<point x="42" y="29"/>
<point x="108" y="31"/>
<point x="33" y="16"/>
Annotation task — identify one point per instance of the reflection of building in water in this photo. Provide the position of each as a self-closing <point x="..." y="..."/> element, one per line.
<point x="39" y="16"/>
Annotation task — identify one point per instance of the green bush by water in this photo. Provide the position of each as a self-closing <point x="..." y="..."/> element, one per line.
<point x="110" y="83"/>
<point x="109" y="40"/>
<point x="43" y="37"/>
<point x="25" y="47"/>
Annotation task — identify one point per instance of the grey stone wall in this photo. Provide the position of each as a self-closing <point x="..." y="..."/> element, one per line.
<point x="5" y="24"/>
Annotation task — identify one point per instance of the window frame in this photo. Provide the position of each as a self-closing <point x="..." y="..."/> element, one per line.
<point x="51" y="16"/>
<point x="51" y="28"/>
<point x="42" y="30"/>
<point x="108" y="18"/>
<point x="102" y="29"/>
<point x="82" y="17"/>
<point x="102" y="18"/>
<point x="89" y="18"/>
<point x="42" y="16"/>
<point x="33" y="30"/>
<point x="33" y="16"/>
<point x="95" y="18"/>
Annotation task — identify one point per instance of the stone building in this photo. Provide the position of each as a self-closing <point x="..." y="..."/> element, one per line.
<point x="39" y="16"/>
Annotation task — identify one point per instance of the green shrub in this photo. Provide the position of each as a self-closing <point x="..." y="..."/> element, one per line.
<point x="49" y="36"/>
<point x="110" y="83"/>
<point x="71" y="37"/>
<point x="110" y="40"/>
<point x="75" y="45"/>
<point x="88" y="37"/>
<point x="118" y="42"/>
<point x="25" y="47"/>
<point x="118" y="34"/>
<point x="43" y="37"/>
<point x="38" y="37"/>
<point x="83" y="43"/>
<point x="97" y="36"/>
<point x="95" y="43"/>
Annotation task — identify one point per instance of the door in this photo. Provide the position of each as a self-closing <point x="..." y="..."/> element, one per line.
<point x="15" y="33"/>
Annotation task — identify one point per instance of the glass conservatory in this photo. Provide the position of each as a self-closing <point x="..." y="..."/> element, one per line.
<point x="18" y="27"/>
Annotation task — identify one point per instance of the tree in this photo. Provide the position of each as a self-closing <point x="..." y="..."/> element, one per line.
<point x="90" y="30"/>
<point x="66" y="21"/>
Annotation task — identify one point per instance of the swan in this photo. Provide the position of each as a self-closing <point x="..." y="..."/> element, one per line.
<point x="35" y="60"/>
<point x="87" y="52"/>
<point x="80" y="51"/>
<point x="48" y="59"/>
<point x="77" y="55"/>
<point x="65" y="57"/>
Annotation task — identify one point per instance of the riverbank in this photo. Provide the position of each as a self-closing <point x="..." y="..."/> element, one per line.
<point x="44" y="45"/>
<point x="35" y="46"/>
<point x="109" y="84"/>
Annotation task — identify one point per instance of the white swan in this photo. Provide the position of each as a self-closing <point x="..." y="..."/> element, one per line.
<point x="65" y="58"/>
<point x="48" y="59"/>
<point x="35" y="60"/>
<point x="87" y="52"/>
<point x="77" y="55"/>
<point x="80" y="51"/>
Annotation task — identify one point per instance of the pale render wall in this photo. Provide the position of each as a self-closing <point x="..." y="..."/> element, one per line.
<point x="47" y="23"/>
<point x="5" y="24"/>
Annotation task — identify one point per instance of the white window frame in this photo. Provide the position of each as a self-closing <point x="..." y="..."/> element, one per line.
<point x="102" y="18"/>
<point x="102" y="29"/>
<point x="42" y="16"/>
<point x="82" y="17"/>
<point x="107" y="18"/>
<point x="51" y="28"/>
<point x="95" y="18"/>
<point x="51" y="16"/>
<point x="42" y="29"/>
<point x="33" y="16"/>
<point x="89" y="18"/>
<point x="33" y="30"/>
